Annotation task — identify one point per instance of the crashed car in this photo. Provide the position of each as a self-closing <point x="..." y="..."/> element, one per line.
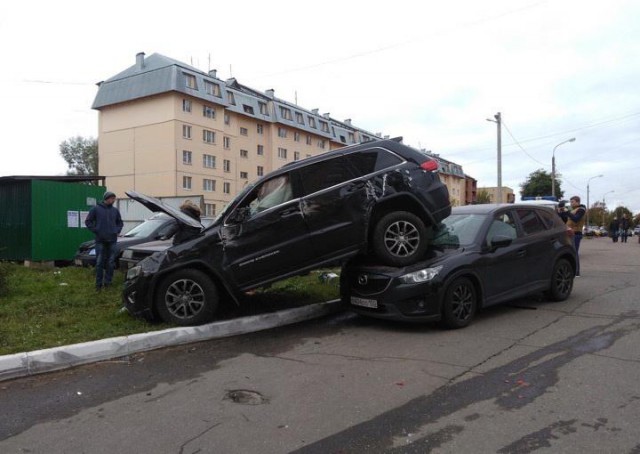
<point x="381" y="197"/>
<point x="159" y="225"/>
<point x="480" y="255"/>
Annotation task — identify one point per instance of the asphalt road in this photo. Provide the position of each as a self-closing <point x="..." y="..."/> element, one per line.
<point x="532" y="376"/>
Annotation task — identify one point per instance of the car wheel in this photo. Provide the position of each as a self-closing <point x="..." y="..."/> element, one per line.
<point x="561" y="281"/>
<point x="460" y="304"/>
<point x="400" y="238"/>
<point x="187" y="297"/>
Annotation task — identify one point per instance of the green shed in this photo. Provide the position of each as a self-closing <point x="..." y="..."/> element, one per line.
<point x="42" y="217"/>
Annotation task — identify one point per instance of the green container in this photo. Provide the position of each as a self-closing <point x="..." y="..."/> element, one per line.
<point x="43" y="220"/>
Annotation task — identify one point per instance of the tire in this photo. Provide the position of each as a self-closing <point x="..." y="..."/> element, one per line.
<point x="187" y="297"/>
<point x="561" y="281"/>
<point x="460" y="304"/>
<point x="400" y="238"/>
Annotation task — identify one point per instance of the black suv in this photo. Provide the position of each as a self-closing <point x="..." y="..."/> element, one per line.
<point x="380" y="197"/>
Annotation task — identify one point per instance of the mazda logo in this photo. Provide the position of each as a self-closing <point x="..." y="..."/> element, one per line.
<point x="363" y="279"/>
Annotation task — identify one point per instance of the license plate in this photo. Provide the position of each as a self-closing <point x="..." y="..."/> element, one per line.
<point x="364" y="302"/>
<point x="78" y="262"/>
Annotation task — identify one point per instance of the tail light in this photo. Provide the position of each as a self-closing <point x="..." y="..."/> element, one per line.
<point x="430" y="165"/>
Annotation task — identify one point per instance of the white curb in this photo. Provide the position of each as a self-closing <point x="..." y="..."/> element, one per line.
<point x="40" y="361"/>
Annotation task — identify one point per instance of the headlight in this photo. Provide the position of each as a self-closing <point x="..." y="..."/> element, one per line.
<point x="92" y="251"/>
<point x="421" y="276"/>
<point x="134" y="272"/>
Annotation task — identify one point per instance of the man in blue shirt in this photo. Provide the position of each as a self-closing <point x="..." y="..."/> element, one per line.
<point x="106" y="224"/>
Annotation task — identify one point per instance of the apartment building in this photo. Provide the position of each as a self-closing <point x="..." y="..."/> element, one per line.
<point x="508" y="196"/>
<point x="169" y="129"/>
<point x="453" y="177"/>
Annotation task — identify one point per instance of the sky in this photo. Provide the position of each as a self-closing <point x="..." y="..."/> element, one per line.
<point x="431" y="72"/>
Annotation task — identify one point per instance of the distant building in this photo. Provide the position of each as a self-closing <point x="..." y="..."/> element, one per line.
<point x="471" y="190"/>
<point x="167" y="129"/>
<point x="508" y="196"/>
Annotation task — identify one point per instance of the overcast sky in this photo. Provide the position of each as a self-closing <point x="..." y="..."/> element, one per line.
<point x="432" y="72"/>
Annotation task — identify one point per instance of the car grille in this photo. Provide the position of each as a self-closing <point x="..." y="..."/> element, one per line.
<point x="367" y="283"/>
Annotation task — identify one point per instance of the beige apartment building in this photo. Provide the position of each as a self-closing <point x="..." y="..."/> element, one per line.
<point x="167" y="129"/>
<point x="508" y="196"/>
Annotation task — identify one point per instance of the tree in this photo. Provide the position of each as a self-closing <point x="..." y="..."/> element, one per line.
<point x="538" y="184"/>
<point x="483" y="197"/>
<point x="81" y="155"/>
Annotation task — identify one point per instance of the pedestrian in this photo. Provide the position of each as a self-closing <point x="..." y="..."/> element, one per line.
<point x="575" y="221"/>
<point x="614" y="226"/>
<point x="106" y="224"/>
<point x="624" y="228"/>
<point x="562" y="211"/>
<point x="186" y="232"/>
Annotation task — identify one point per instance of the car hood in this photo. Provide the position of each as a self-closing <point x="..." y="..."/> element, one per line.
<point x="156" y="205"/>
<point x="152" y="246"/>
<point x="433" y="257"/>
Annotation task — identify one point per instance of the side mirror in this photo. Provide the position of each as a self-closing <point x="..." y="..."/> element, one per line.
<point x="239" y="215"/>
<point x="499" y="241"/>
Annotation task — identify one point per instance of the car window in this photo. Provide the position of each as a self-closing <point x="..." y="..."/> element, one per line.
<point x="549" y="218"/>
<point x="323" y="175"/>
<point x="530" y="222"/>
<point x="504" y="225"/>
<point x="458" y="230"/>
<point x="146" y="228"/>
<point x="269" y="194"/>
<point x="369" y="161"/>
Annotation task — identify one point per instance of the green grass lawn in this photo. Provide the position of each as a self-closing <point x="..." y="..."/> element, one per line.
<point x="50" y="307"/>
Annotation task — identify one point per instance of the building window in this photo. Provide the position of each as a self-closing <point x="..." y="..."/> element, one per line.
<point x="342" y="139"/>
<point x="186" y="183"/>
<point x="260" y="171"/>
<point x="282" y="132"/>
<point x="244" y="154"/>
<point x="248" y="109"/>
<point x="299" y="118"/>
<point x="186" y="131"/>
<point x="190" y="81"/>
<point x="260" y="128"/>
<point x="312" y="122"/>
<point x="212" y="89"/>
<point x="351" y="138"/>
<point x="208" y="185"/>
<point x="308" y="139"/>
<point x="324" y="126"/>
<point x="210" y="209"/>
<point x="282" y="153"/>
<point x="296" y="155"/>
<point x="260" y="151"/>
<point x="285" y="113"/>
<point x="321" y="143"/>
<point x="226" y="142"/>
<point x="296" y="136"/>
<point x="186" y="157"/>
<point x="208" y="136"/>
<point x="263" y="108"/>
<point x="227" y="119"/>
<point x="226" y="165"/>
<point x="231" y="99"/>
<point x="186" y="105"/>
<point x="209" y="161"/>
<point x="244" y="175"/>
<point x="226" y="188"/>
<point x="244" y="132"/>
<point x="208" y="112"/>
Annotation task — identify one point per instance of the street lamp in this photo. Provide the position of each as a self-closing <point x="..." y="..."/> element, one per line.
<point x="604" y="204"/>
<point x="498" y="121"/>
<point x="553" y="166"/>
<point x="588" y="181"/>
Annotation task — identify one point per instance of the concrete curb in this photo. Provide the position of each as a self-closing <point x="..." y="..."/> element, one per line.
<point x="51" y="359"/>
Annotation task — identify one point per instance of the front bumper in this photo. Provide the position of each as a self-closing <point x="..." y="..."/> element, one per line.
<point x="137" y="297"/>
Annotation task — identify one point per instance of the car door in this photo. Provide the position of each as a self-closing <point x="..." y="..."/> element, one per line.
<point x="503" y="269"/>
<point x="334" y="207"/>
<point x="266" y="236"/>
<point x="539" y="245"/>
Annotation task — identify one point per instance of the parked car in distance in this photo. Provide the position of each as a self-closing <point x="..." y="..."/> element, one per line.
<point x="636" y="230"/>
<point x="481" y="255"/>
<point x="379" y="196"/>
<point x="159" y="225"/>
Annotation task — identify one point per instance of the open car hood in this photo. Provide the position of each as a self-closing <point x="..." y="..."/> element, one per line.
<point x="156" y="205"/>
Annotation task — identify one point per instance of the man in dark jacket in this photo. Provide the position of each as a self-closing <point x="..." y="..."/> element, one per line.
<point x="105" y="222"/>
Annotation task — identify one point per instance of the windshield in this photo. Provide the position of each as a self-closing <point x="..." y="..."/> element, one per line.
<point x="458" y="230"/>
<point x="146" y="228"/>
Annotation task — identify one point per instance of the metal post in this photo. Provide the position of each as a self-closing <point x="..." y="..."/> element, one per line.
<point x="553" y="166"/>
<point x="498" y="118"/>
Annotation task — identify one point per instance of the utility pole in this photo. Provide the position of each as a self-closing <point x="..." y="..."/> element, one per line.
<point x="498" y="121"/>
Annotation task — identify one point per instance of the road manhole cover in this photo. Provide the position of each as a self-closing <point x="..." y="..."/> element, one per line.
<point x="246" y="397"/>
